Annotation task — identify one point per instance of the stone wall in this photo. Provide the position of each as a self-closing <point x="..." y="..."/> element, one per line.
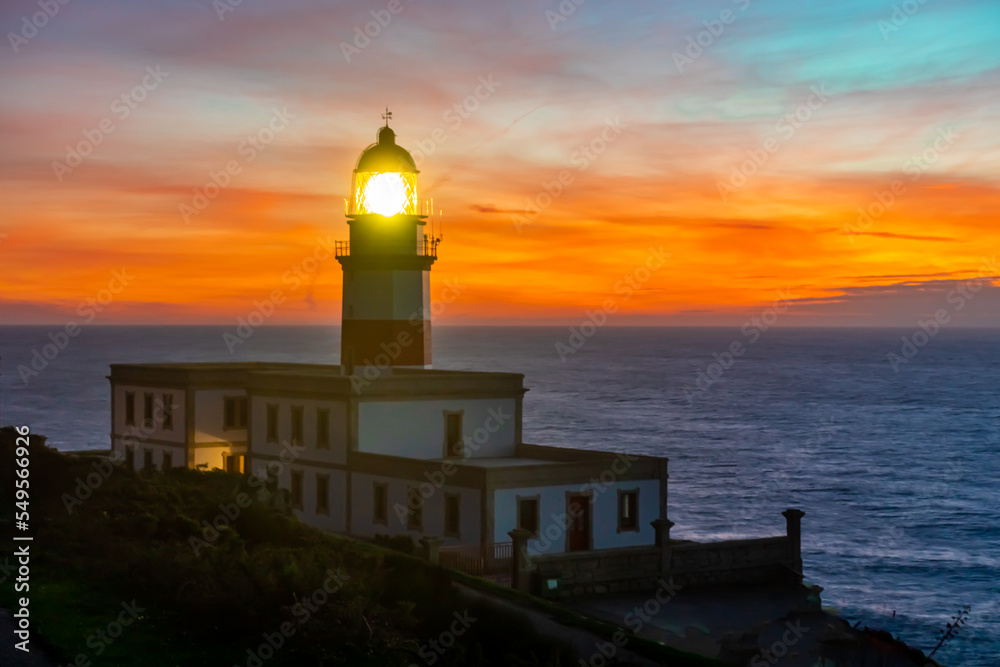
<point x="692" y="564"/>
<point x="762" y="560"/>
<point x="595" y="572"/>
<point x="776" y="560"/>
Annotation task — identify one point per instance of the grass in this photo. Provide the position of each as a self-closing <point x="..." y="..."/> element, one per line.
<point x="131" y="539"/>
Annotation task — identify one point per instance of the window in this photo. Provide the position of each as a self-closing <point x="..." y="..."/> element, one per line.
<point x="147" y="409"/>
<point x="527" y="514"/>
<point x="168" y="412"/>
<point x="415" y="519"/>
<point x="297" y="489"/>
<point x="272" y="423"/>
<point x="235" y="412"/>
<point x="381" y="504"/>
<point x="296" y="424"/>
<point x="322" y="429"/>
<point x="453" y="435"/>
<point x="322" y="494"/>
<point x="580" y="528"/>
<point x="452" y="515"/>
<point x="168" y="460"/>
<point x="130" y="408"/>
<point x="628" y="510"/>
<point x="130" y="459"/>
<point x="147" y="459"/>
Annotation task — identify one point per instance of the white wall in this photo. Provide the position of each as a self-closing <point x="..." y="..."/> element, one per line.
<point x="155" y="432"/>
<point x="209" y="410"/>
<point x="337" y="452"/>
<point x="385" y="295"/>
<point x="177" y="452"/>
<point x="363" y="509"/>
<point x="336" y="520"/>
<point x="416" y="428"/>
<point x="604" y="513"/>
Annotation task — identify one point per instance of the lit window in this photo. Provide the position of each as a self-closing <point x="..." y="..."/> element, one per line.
<point x="233" y="462"/>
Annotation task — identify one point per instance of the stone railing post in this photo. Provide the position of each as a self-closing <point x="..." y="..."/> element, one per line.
<point x="432" y="549"/>
<point x="519" y="575"/>
<point x="793" y="521"/>
<point x="662" y="527"/>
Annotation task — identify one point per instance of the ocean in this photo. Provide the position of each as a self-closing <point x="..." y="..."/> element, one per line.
<point x="895" y="461"/>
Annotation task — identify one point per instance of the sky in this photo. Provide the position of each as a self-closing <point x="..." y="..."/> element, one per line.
<point x="681" y="163"/>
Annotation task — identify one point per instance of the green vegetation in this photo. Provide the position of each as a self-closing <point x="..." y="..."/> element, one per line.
<point x="137" y="550"/>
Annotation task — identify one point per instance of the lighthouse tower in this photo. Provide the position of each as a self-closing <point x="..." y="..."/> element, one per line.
<point x="387" y="262"/>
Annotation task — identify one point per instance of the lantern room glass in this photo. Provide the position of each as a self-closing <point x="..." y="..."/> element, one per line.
<point x="385" y="193"/>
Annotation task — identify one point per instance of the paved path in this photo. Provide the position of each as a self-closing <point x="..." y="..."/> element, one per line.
<point x="759" y="626"/>
<point x="698" y="620"/>
<point x="582" y="641"/>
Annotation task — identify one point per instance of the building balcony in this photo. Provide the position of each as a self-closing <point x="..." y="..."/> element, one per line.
<point x="422" y="208"/>
<point x="427" y="247"/>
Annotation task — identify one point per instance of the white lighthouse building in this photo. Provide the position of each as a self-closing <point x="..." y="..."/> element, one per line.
<point x="384" y="445"/>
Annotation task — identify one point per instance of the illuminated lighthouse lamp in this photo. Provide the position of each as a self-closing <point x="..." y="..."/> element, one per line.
<point x="385" y="179"/>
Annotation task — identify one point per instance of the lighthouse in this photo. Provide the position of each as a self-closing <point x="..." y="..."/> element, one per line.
<point x="387" y="261"/>
<point x="364" y="444"/>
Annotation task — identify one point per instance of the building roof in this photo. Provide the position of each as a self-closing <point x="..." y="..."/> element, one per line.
<point x="386" y="155"/>
<point x="283" y="377"/>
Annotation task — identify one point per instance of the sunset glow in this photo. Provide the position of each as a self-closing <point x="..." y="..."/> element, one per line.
<point x="801" y="150"/>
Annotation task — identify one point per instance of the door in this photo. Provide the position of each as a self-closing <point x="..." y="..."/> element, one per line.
<point x="234" y="463"/>
<point x="578" y="511"/>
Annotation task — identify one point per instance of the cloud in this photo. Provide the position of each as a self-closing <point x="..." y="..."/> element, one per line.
<point x="656" y="184"/>
<point x="908" y="237"/>
<point x="490" y="208"/>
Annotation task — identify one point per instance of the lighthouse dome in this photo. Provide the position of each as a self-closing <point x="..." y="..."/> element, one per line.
<point x="386" y="156"/>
